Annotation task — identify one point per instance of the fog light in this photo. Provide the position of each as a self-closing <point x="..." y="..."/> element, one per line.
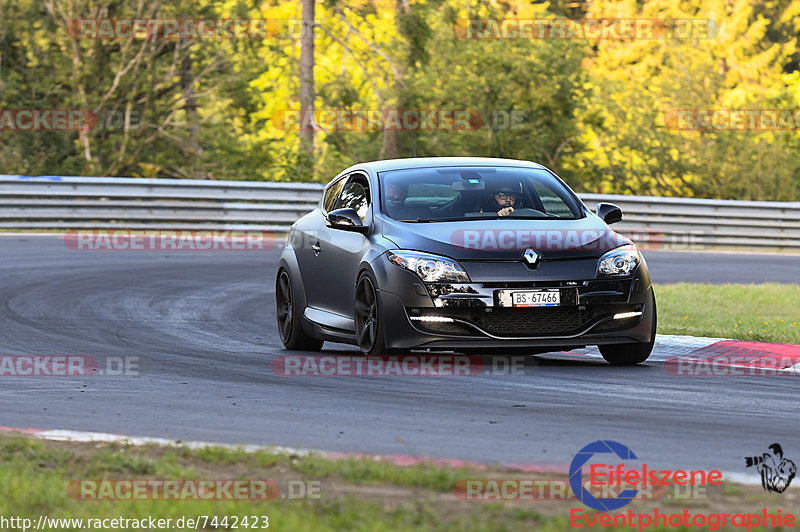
<point x="436" y="319"/>
<point x="623" y="315"/>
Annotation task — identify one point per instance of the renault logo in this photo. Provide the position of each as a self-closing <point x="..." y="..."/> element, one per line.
<point x="530" y="256"/>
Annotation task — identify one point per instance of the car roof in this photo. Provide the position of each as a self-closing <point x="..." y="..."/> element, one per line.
<point x="429" y="162"/>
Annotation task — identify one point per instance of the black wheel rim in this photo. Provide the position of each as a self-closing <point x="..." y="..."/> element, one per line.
<point x="366" y="314"/>
<point x="283" y="296"/>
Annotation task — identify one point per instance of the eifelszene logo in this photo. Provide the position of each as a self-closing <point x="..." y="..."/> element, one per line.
<point x="576" y="475"/>
<point x="776" y="471"/>
<point x="622" y="482"/>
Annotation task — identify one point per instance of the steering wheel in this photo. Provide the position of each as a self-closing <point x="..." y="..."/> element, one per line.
<point x="527" y="212"/>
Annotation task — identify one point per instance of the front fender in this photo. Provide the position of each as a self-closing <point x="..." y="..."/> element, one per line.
<point x="288" y="262"/>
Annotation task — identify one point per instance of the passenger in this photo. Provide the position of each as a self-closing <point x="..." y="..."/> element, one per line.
<point x="395" y="203"/>
<point x="396" y="194"/>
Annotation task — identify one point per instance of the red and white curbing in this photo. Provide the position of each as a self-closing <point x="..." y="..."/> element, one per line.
<point x="667" y="345"/>
<point x="396" y="459"/>
<point x="700" y="356"/>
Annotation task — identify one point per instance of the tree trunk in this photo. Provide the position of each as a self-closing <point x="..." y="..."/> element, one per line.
<point x="389" y="144"/>
<point x="307" y="79"/>
<point x="190" y="109"/>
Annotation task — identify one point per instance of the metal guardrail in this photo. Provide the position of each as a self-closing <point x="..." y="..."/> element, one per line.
<point x="705" y="223"/>
<point x="55" y="202"/>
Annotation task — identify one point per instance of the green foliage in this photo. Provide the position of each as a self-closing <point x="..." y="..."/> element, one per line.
<point x="595" y="111"/>
<point x="636" y="84"/>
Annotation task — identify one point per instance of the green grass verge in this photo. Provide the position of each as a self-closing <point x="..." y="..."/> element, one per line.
<point x="356" y="471"/>
<point x="34" y="476"/>
<point x="358" y="495"/>
<point x="763" y="312"/>
<point x="369" y="472"/>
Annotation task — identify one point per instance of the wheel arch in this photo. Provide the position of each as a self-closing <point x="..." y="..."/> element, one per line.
<point x="377" y="272"/>
<point x="288" y="262"/>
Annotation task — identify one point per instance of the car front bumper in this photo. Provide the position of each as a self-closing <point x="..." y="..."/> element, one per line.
<point x="478" y="314"/>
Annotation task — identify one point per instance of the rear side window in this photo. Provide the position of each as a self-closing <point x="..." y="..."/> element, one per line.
<point x="331" y="194"/>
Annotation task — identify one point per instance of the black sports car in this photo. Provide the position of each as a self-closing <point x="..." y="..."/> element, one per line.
<point x="474" y="255"/>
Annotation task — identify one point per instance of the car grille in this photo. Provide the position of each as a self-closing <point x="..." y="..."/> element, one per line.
<point x="511" y="322"/>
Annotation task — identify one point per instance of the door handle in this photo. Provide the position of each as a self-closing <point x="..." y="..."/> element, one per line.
<point x="316" y="248"/>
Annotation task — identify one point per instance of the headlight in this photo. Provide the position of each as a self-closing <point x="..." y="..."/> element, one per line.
<point x="619" y="262"/>
<point x="430" y="268"/>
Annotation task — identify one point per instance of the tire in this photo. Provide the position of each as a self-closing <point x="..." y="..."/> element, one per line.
<point x="290" y="328"/>
<point x="635" y="353"/>
<point x="369" y="322"/>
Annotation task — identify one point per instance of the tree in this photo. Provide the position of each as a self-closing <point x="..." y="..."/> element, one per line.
<point x="637" y="83"/>
<point x="307" y="93"/>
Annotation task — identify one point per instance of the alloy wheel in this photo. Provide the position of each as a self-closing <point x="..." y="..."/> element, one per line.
<point x="285" y="312"/>
<point x="366" y="314"/>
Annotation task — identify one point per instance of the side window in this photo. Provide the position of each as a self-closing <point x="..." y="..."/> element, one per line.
<point x="552" y="202"/>
<point x="331" y="194"/>
<point x="355" y="195"/>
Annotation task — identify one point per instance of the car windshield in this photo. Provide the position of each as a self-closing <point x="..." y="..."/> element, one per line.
<point x="467" y="193"/>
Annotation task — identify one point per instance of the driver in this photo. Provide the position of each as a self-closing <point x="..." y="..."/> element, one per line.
<point x="396" y="194"/>
<point x="502" y="198"/>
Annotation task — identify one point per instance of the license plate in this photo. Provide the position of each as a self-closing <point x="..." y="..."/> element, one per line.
<point x="536" y="298"/>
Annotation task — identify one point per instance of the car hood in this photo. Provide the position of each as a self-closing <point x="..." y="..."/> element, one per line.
<point x="507" y="239"/>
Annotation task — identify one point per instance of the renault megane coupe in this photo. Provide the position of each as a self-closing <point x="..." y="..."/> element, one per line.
<point x="475" y="255"/>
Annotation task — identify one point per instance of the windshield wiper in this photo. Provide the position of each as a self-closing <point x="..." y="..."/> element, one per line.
<point x="421" y="221"/>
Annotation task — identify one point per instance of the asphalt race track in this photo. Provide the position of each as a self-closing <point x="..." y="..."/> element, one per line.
<point x="202" y="327"/>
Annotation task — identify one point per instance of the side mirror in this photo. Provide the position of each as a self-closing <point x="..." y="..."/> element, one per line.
<point x="608" y="212"/>
<point x="346" y="220"/>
